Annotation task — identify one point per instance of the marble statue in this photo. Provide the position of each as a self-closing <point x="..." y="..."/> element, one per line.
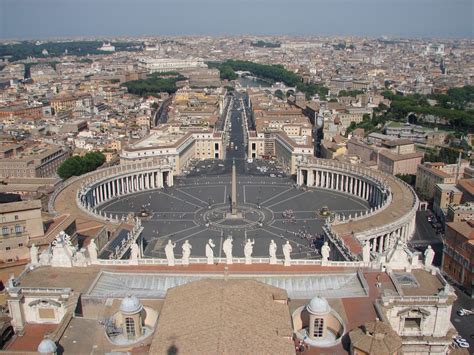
<point x="45" y="257"/>
<point x="11" y="281"/>
<point x="429" y="256"/>
<point x="134" y="253"/>
<point x="62" y="251"/>
<point x="210" y="252"/>
<point x="170" y="252"/>
<point x="248" y="250"/>
<point x="366" y="252"/>
<point x="287" y="249"/>
<point x="227" y="248"/>
<point x="325" y="249"/>
<point x="272" y="251"/>
<point x="186" y="248"/>
<point x="34" y="254"/>
<point x="80" y="258"/>
<point x="92" y="250"/>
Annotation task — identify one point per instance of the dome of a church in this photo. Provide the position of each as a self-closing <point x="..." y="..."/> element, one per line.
<point x="130" y="304"/>
<point x="47" y="346"/>
<point x="319" y="305"/>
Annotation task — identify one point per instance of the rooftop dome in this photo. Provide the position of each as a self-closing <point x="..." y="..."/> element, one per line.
<point x="47" y="346"/>
<point x="130" y="304"/>
<point x="319" y="305"/>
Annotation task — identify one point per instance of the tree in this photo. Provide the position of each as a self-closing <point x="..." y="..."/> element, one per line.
<point x="408" y="178"/>
<point x="76" y="166"/>
<point x="280" y="94"/>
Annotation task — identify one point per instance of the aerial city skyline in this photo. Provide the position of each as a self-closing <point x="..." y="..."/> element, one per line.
<point x="236" y="177"/>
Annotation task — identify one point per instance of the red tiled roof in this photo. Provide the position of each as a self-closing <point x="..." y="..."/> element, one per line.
<point x="34" y="334"/>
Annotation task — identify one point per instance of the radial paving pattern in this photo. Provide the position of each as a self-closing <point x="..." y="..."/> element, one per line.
<point x="196" y="209"/>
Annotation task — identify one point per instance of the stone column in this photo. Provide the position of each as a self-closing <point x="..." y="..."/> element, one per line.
<point x="310" y="177"/>
<point x="16" y="313"/>
<point x="160" y="179"/>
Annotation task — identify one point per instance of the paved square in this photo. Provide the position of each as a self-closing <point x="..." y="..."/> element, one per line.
<point x="272" y="208"/>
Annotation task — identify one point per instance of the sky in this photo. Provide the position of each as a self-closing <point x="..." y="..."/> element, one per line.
<point x="38" y="19"/>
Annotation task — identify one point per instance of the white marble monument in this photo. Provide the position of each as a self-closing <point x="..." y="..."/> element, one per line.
<point x="134" y="254"/>
<point x="186" y="248"/>
<point x="227" y="248"/>
<point x="429" y="256"/>
<point x="248" y="250"/>
<point x="63" y="251"/>
<point x="92" y="250"/>
<point x="34" y="255"/>
<point x="287" y="249"/>
<point x="325" y="250"/>
<point x="210" y="252"/>
<point x="272" y="249"/>
<point x="169" y="252"/>
<point x="366" y="252"/>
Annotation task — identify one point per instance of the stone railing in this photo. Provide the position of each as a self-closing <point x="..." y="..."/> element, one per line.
<point x="339" y="243"/>
<point x="203" y="260"/>
<point x="221" y="261"/>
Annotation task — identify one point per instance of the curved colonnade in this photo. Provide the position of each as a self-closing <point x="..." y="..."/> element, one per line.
<point x="101" y="186"/>
<point x="393" y="206"/>
<point x="391" y="216"/>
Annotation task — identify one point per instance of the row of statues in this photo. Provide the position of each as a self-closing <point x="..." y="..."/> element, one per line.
<point x="227" y="247"/>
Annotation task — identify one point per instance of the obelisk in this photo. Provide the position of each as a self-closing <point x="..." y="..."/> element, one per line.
<point x="233" y="209"/>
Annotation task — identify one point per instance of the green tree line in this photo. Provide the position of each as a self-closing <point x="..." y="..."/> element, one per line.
<point x="272" y="73"/>
<point x="77" y="165"/>
<point x="451" y="106"/>
<point x="27" y="49"/>
<point x="154" y="84"/>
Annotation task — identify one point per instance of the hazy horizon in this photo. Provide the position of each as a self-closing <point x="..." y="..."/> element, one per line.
<point x="41" y="19"/>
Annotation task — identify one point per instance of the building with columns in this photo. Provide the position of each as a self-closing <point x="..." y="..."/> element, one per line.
<point x="393" y="206"/>
<point x="178" y="145"/>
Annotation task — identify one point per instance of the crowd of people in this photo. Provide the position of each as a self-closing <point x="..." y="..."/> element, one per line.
<point x="289" y="216"/>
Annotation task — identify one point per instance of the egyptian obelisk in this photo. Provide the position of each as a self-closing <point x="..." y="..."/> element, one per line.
<point x="234" y="190"/>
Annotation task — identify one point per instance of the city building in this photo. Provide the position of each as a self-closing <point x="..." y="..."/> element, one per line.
<point x="37" y="160"/>
<point x="458" y="253"/>
<point x="178" y="145"/>
<point x="445" y="195"/>
<point x="20" y="222"/>
<point x="154" y="65"/>
<point x="460" y="212"/>
<point x="428" y="175"/>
